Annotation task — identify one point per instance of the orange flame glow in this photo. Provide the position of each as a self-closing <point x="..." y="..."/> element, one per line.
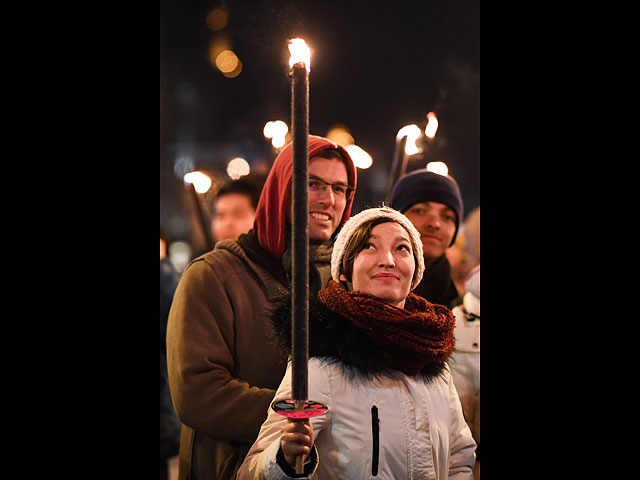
<point x="412" y="132"/>
<point x="201" y="181"/>
<point x="300" y="53"/>
<point x="432" y="125"/>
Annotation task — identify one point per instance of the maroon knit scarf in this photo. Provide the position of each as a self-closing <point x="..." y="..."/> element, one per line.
<point x="407" y="338"/>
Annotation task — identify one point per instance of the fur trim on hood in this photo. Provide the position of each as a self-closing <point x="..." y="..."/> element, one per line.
<point x="338" y="341"/>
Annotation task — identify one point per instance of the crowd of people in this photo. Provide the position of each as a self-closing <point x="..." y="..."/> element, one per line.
<point x="394" y="337"/>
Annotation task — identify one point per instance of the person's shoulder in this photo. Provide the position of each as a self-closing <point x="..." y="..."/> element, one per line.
<point x="219" y="262"/>
<point x="226" y="253"/>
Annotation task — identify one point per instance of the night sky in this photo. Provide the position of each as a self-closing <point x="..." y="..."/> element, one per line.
<point x="375" y="67"/>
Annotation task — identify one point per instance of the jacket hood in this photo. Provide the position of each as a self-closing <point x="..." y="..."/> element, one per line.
<point x="270" y="221"/>
<point x="338" y="341"/>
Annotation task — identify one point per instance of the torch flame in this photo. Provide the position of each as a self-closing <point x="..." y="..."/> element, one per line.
<point x="300" y="53"/>
<point x="412" y="132"/>
<point x="201" y="181"/>
<point x="438" y="167"/>
<point x="432" y="125"/>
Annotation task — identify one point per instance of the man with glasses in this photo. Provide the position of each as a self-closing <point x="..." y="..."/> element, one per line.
<point x="224" y="365"/>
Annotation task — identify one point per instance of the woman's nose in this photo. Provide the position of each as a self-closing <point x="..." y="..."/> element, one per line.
<point x="386" y="259"/>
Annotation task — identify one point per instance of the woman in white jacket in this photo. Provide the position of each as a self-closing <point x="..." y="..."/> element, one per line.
<point x="378" y="361"/>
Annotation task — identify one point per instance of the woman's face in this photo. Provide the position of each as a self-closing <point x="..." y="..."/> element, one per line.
<point x="385" y="266"/>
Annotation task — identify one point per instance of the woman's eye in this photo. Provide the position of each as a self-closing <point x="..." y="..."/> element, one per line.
<point x="367" y="246"/>
<point x="405" y="247"/>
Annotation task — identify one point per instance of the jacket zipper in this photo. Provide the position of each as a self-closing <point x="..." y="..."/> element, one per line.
<point x="375" y="428"/>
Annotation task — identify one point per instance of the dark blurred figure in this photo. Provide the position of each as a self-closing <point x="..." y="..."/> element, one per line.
<point x="169" y="423"/>
<point x="434" y="205"/>
<point x="464" y="254"/>
<point x="235" y="208"/>
<point x="465" y="362"/>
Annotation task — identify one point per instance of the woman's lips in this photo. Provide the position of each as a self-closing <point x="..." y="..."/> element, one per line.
<point x="386" y="277"/>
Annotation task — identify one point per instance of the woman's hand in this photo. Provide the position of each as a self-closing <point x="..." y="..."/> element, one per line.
<point x="296" y="440"/>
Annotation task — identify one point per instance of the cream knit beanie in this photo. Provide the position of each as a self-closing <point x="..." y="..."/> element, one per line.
<point x="354" y="222"/>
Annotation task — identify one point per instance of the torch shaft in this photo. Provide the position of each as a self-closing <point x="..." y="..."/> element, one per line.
<point x="202" y="221"/>
<point x="399" y="165"/>
<point x="300" y="232"/>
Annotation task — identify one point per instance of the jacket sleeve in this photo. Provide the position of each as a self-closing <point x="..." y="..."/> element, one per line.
<point x="462" y="455"/>
<point x="200" y="358"/>
<point x="260" y="463"/>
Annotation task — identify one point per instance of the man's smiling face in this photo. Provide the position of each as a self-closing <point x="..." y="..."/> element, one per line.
<point x="325" y="208"/>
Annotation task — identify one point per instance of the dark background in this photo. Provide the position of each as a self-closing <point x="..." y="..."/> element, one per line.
<point x="375" y="67"/>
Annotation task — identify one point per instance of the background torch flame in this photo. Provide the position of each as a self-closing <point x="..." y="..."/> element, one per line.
<point x="432" y="125"/>
<point x="300" y="53"/>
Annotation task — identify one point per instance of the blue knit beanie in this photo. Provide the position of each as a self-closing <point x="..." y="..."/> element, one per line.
<point x="423" y="186"/>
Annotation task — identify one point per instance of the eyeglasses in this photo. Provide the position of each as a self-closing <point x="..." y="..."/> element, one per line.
<point x="339" y="190"/>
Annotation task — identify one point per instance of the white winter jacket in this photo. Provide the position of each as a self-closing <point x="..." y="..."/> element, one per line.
<point x="395" y="427"/>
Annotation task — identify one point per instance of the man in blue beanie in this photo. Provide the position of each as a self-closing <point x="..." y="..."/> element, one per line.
<point x="434" y="205"/>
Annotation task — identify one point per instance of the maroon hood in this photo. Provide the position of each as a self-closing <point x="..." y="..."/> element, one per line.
<point x="270" y="220"/>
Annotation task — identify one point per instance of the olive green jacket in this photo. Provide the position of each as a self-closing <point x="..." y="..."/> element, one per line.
<point x="223" y="363"/>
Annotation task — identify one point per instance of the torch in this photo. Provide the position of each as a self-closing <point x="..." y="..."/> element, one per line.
<point x="299" y="63"/>
<point x="299" y="407"/>
<point x="405" y="146"/>
<point x="200" y="183"/>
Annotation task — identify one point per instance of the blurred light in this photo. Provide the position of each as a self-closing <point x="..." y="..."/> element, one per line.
<point x="432" y="125"/>
<point x="278" y="141"/>
<point x="275" y="128"/>
<point x="361" y="159"/>
<point x="201" y="182"/>
<point x="217" y="19"/>
<point x="235" y="72"/>
<point x="180" y="254"/>
<point x="279" y="128"/>
<point x="238" y="167"/>
<point x="438" y="167"/>
<point x="218" y="44"/>
<point x="277" y="131"/>
<point x="227" y="61"/>
<point x="299" y="53"/>
<point x="341" y="135"/>
<point x="267" y="131"/>
<point x="412" y="132"/>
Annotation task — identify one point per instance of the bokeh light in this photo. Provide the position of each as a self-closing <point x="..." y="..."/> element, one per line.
<point x="432" y="125"/>
<point x="201" y="182"/>
<point x="438" y="167"/>
<point x="360" y="157"/>
<point x="217" y="18"/>
<point x="412" y="132"/>
<point x="238" y="167"/>
<point x="340" y="134"/>
<point x="277" y="131"/>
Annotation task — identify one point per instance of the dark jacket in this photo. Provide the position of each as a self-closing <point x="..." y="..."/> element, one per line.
<point x="169" y="423"/>
<point x="437" y="286"/>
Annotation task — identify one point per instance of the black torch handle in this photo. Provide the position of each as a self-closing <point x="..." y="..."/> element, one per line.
<point x="205" y="226"/>
<point x="300" y="232"/>
<point x="399" y="165"/>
